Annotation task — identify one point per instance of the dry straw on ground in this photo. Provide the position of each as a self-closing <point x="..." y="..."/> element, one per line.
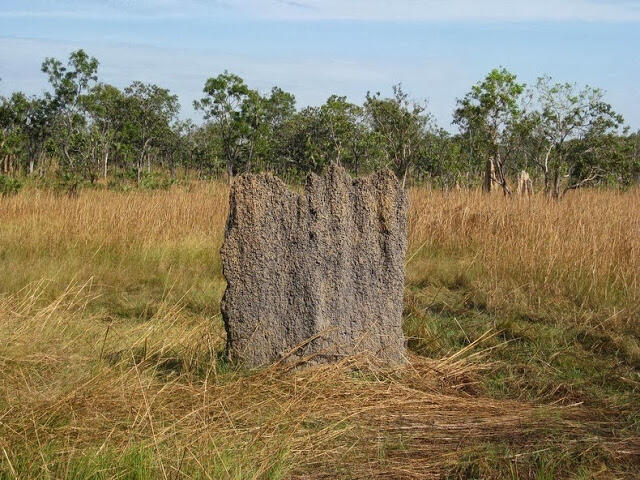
<point x="110" y="336"/>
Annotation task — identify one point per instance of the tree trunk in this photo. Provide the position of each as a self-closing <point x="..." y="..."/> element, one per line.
<point x="41" y="163"/>
<point x="547" y="182"/>
<point x="547" y="172"/>
<point x="556" y="184"/>
<point x="489" y="174"/>
<point x="65" y="150"/>
<point x="106" y="160"/>
<point x="250" y="158"/>
<point x="141" y="159"/>
<point x="229" y="172"/>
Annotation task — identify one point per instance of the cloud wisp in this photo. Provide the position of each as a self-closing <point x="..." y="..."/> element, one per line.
<point x="356" y="10"/>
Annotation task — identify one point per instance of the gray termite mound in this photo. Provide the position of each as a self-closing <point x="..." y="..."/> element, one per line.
<point x="317" y="275"/>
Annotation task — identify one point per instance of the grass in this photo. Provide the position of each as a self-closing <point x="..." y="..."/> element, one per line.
<point x="522" y="318"/>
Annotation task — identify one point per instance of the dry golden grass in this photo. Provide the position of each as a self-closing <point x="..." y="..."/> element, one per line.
<point x="577" y="254"/>
<point x="584" y="250"/>
<point x="110" y="337"/>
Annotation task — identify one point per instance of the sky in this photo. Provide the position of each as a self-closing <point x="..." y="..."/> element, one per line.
<point x="437" y="49"/>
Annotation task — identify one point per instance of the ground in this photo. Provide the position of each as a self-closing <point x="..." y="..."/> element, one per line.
<point x="522" y="318"/>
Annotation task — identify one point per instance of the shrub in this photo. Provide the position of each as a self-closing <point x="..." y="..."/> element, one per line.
<point x="155" y="181"/>
<point x="9" y="186"/>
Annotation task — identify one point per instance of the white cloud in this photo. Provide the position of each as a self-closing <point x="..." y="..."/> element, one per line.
<point x="365" y="10"/>
<point x="443" y="10"/>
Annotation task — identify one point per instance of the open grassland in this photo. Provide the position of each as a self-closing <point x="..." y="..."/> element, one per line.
<point x="523" y="318"/>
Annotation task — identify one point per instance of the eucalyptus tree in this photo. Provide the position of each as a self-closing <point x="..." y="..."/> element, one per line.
<point x="248" y="124"/>
<point x="348" y="138"/>
<point x="524" y="147"/>
<point x="149" y="112"/>
<point x="442" y="161"/>
<point x="225" y="98"/>
<point x="400" y="126"/>
<point x="25" y="127"/>
<point x="38" y="126"/>
<point x="206" y="145"/>
<point x="104" y="106"/>
<point x="175" y="147"/>
<point x="70" y="84"/>
<point x="261" y="117"/>
<point x="577" y="124"/>
<point x="631" y="158"/>
<point x="486" y="113"/>
<point x="12" y="111"/>
<point x="296" y="145"/>
<point x="340" y="119"/>
<point x="277" y="110"/>
<point x="319" y="135"/>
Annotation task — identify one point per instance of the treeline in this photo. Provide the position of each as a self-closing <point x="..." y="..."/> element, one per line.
<point x="83" y="130"/>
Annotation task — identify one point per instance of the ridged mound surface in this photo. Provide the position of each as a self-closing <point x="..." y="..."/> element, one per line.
<point x="317" y="275"/>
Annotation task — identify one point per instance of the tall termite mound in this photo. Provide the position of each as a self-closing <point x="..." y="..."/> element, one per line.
<point x="317" y="275"/>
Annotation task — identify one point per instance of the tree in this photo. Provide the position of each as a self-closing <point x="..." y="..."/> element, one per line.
<point x="25" y="127"/>
<point x="487" y="111"/>
<point x="400" y="126"/>
<point x="442" y="161"/>
<point x="348" y="139"/>
<point x="570" y="136"/>
<point x="225" y="98"/>
<point x="297" y="146"/>
<point x="38" y="122"/>
<point x="12" y="111"/>
<point x="104" y="106"/>
<point x="340" y="118"/>
<point x="277" y="110"/>
<point x="149" y="111"/>
<point x="70" y="83"/>
<point x="260" y="117"/>
<point x="575" y="123"/>
<point x="246" y="122"/>
<point x="204" y="147"/>
<point x="626" y="151"/>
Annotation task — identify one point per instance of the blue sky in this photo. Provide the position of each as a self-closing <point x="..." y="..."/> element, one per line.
<point x="314" y="48"/>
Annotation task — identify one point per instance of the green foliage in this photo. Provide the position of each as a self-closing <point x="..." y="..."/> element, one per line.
<point x="400" y="126"/>
<point x="67" y="118"/>
<point x="486" y="116"/>
<point x="230" y="105"/>
<point x="577" y="124"/>
<point x="245" y="122"/>
<point x="148" y="113"/>
<point x="155" y="181"/>
<point x="565" y="135"/>
<point x="9" y="186"/>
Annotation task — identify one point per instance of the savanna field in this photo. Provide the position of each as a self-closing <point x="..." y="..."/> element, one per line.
<point x="522" y="317"/>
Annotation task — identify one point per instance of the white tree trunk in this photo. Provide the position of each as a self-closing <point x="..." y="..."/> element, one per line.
<point x="106" y="160"/>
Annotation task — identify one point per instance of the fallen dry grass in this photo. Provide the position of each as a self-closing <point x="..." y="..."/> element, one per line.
<point x="110" y="339"/>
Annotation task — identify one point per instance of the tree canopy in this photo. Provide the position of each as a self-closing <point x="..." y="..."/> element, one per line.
<point x="565" y="135"/>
